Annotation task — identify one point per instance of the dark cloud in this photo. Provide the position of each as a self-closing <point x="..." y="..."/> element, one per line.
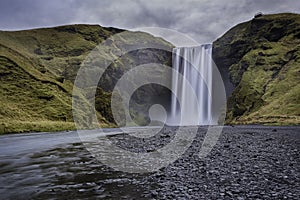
<point x="203" y="20"/>
<point x="22" y="14"/>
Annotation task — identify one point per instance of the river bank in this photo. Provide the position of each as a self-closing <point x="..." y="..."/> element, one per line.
<point x="248" y="162"/>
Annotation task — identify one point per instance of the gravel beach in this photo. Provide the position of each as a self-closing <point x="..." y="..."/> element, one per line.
<point x="248" y="162"/>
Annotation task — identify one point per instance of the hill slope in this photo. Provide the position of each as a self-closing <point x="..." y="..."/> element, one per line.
<point x="259" y="61"/>
<point x="262" y="58"/>
<point x="38" y="68"/>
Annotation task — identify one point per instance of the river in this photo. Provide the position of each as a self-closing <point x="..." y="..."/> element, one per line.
<point x="247" y="162"/>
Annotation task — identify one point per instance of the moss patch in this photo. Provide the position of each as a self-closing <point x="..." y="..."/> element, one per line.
<point x="262" y="57"/>
<point x="38" y="68"/>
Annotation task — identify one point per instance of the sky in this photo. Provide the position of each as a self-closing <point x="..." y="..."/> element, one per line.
<point x="202" y="20"/>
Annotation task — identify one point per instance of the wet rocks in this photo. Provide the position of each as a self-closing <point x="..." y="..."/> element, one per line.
<point x="248" y="162"/>
<point x="240" y="166"/>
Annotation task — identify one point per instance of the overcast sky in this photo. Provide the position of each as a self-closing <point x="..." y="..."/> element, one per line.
<point x="203" y="20"/>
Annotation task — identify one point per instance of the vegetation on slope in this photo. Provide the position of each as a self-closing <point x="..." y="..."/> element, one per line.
<point x="38" y="68"/>
<point x="262" y="57"/>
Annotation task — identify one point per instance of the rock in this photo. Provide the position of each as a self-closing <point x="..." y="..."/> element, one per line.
<point x="229" y="193"/>
<point x="243" y="52"/>
<point x="154" y="193"/>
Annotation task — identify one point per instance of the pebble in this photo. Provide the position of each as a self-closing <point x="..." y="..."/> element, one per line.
<point x="253" y="165"/>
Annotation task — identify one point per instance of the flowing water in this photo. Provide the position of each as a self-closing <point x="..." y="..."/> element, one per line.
<point x="247" y="162"/>
<point x="192" y="85"/>
<point x="58" y="166"/>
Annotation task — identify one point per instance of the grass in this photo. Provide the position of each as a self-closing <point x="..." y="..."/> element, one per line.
<point x="7" y="127"/>
<point x="33" y="96"/>
<point x="38" y="68"/>
<point x="267" y="75"/>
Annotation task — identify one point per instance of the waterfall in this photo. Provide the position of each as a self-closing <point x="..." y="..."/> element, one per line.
<point x="191" y="102"/>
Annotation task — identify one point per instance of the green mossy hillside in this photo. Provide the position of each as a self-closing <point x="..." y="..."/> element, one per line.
<point x="38" y="68"/>
<point x="262" y="57"/>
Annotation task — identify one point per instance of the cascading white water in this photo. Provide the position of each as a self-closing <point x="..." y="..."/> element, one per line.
<point x="192" y="85"/>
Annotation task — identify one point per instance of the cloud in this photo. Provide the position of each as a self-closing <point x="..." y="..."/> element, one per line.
<point x="203" y="20"/>
<point x="20" y="14"/>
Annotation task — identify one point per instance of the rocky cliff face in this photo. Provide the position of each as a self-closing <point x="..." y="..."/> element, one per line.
<point x="38" y="68"/>
<point x="258" y="59"/>
<point x="260" y="63"/>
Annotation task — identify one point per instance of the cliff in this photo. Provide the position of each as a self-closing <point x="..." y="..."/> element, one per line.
<point x="38" y="68"/>
<point x="259" y="60"/>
